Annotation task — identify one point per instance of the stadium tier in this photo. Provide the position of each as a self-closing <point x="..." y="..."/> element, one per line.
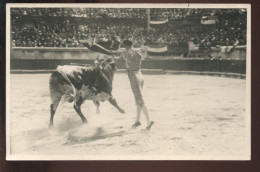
<point x="176" y="29"/>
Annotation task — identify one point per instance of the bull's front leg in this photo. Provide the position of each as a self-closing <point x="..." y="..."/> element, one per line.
<point x="97" y="104"/>
<point x="77" y="107"/>
<point x="112" y="100"/>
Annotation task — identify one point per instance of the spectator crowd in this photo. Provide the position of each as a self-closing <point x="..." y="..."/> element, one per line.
<point x="40" y="32"/>
<point x="83" y="12"/>
<point x="186" y="13"/>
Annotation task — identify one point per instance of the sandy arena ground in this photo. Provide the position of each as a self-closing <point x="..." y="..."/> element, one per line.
<point x="194" y="116"/>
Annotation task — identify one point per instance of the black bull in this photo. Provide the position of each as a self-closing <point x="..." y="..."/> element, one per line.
<point x="80" y="83"/>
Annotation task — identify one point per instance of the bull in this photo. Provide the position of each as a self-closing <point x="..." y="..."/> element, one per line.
<point x="74" y="83"/>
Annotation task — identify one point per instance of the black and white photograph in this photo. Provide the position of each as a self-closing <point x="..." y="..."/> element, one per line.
<point x="128" y="81"/>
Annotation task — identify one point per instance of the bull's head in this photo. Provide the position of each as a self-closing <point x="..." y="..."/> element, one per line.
<point x="105" y="62"/>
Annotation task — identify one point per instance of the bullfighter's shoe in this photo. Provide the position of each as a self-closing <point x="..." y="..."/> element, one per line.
<point x="136" y="124"/>
<point x="150" y="125"/>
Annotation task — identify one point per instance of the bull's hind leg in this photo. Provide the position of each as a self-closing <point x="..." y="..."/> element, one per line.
<point x="52" y="116"/>
<point x="55" y="94"/>
<point x="77" y="108"/>
<point x="53" y="108"/>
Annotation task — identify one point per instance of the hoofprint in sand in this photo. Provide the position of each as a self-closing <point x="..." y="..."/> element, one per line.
<point x="194" y="116"/>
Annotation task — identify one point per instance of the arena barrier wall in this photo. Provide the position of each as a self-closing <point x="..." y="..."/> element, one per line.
<point x="50" y="58"/>
<point x="49" y="53"/>
<point x="225" y="52"/>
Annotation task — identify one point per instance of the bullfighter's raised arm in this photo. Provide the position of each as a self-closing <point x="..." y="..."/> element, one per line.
<point x="93" y="46"/>
<point x="96" y="47"/>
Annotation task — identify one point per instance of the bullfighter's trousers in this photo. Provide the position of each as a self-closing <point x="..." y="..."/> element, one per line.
<point x="136" y="82"/>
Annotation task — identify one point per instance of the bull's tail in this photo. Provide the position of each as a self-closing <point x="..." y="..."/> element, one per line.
<point x="74" y="91"/>
<point x="55" y="86"/>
